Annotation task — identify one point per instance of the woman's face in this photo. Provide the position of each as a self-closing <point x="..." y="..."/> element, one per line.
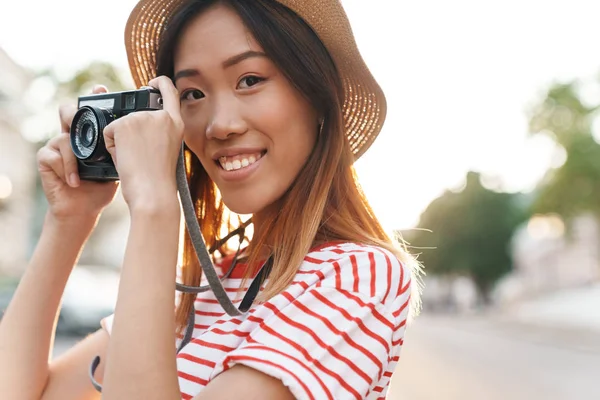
<point x="249" y="127"/>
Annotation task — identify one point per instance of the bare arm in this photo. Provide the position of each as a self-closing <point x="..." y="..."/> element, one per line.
<point x="27" y="328"/>
<point x="241" y="382"/>
<point x="68" y="375"/>
<point x="141" y="356"/>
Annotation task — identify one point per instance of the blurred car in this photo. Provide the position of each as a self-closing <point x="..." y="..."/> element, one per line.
<point x="89" y="296"/>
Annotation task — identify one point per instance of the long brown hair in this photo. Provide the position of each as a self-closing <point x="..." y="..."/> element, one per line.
<point x="325" y="202"/>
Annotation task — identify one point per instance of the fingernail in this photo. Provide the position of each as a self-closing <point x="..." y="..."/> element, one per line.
<point x="74" y="180"/>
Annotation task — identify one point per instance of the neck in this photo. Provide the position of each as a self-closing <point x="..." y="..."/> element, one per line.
<point x="259" y="226"/>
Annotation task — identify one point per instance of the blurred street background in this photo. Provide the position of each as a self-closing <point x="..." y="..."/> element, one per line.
<point x="488" y="167"/>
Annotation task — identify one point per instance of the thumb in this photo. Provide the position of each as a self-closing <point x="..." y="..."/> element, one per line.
<point x="109" y="142"/>
<point x="98" y="89"/>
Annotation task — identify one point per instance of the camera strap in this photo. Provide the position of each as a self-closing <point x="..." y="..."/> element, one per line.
<point x="214" y="282"/>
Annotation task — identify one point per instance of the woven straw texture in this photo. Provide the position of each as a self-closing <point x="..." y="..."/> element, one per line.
<point x="364" y="106"/>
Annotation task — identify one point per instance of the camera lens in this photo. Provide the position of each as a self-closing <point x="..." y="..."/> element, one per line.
<point x="88" y="134"/>
<point x="87" y="140"/>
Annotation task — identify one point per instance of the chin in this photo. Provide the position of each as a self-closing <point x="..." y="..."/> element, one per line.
<point x="239" y="206"/>
<point x="249" y="204"/>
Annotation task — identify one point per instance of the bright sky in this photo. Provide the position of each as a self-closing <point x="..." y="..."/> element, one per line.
<point x="459" y="76"/>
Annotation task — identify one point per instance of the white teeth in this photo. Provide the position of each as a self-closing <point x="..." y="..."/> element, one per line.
<point x="235" y="163"/>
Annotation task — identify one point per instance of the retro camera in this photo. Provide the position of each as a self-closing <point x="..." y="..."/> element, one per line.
<point x="94" y="114"/>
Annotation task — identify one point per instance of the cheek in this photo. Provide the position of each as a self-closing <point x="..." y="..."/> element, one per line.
<point x="280" y="112"/>
<point x="195" y="141"/>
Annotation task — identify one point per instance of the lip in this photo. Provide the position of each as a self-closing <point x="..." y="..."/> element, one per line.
<point x="240" y="174"/>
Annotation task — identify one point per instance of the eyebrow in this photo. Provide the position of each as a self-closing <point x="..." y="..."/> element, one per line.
<point x="230" y="62"/>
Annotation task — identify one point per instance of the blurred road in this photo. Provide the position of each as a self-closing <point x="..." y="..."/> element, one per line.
<point x="474" y="358"/>
<point x="454" y="358"/>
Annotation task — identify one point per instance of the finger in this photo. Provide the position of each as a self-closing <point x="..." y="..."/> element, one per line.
<point x="169" y="94"/>
<point x="50" y="162"/>
<point x="109" y="140"/>
<point x="98" y="89"/>
<point x="66" y="113"/>
<point x="71" y="169"/>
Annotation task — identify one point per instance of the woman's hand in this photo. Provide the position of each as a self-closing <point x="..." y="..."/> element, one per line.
<point x="69" y="198"/>
<point x="145" y="146"/>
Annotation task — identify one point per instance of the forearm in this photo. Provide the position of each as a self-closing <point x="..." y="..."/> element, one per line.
<point x="27" y="328"/>
<point x="141" y="356"/>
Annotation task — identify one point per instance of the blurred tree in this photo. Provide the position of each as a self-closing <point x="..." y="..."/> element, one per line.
<point x="83" y="80"/>
<point x="574" y="187"/>
<point x="468" y="233"/>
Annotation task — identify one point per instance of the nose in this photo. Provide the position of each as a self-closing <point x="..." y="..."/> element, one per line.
<point x="227" y="120"/>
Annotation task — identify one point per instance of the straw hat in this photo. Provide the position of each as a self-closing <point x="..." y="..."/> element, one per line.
<point x="364" y="108"/>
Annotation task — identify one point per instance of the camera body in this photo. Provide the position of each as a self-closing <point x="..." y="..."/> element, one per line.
<point x="94" y="113"/>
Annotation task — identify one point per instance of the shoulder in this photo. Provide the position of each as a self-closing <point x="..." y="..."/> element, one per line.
<point x="370" y="271"/>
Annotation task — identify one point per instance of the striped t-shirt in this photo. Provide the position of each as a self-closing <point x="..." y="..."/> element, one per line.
<point x="334" y="333"/>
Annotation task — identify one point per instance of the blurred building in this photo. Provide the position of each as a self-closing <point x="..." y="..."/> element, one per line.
<point x="17" y="168"/>
<point x="549" y="256"/>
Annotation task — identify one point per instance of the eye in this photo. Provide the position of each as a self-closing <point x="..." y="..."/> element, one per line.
<point x="192" y="94"/>
<point x="249" y="81"/>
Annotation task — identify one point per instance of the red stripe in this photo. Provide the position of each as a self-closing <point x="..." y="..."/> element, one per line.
<point x="338" y="278"/>
<point x="404" y="289"/>
<point x="192" y="378"/>
<point x="201" y="327"/>
<point x="209" y="314"/>
<point x="347" y="315"/>
<point x="257" y="346"/>
<point x="306" y="355"/>
<point x="401" y="290"/>
<point x="235" y="332"/>
<point x="314" y="260"/>
<point x="346" y="337"/>
<point x="204" y="343"/>
<point x="354" y="272"/>
<point x="388" y="374"/>
<point x="400" y="325"/>
<point x="319" y="342"/>
<point x="185" y="396"/>
<point x="248" y="358"/>
<point x="373" y="273"/>
<point x="400" y="342"/>
<point x="389" y="276"/>
<point x="311" y="272"/>
<point x="235" y="289"/>
<point x="399" y="311"/>
<point x="196" y="360"/>
<point x="353" y="251"/>
<point x="361" y="303"/>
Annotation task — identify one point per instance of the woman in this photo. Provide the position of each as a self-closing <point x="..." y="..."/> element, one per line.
<point x="274" y="105"/>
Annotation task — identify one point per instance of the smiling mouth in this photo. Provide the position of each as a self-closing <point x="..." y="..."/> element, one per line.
<point x="239" y="161"/>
